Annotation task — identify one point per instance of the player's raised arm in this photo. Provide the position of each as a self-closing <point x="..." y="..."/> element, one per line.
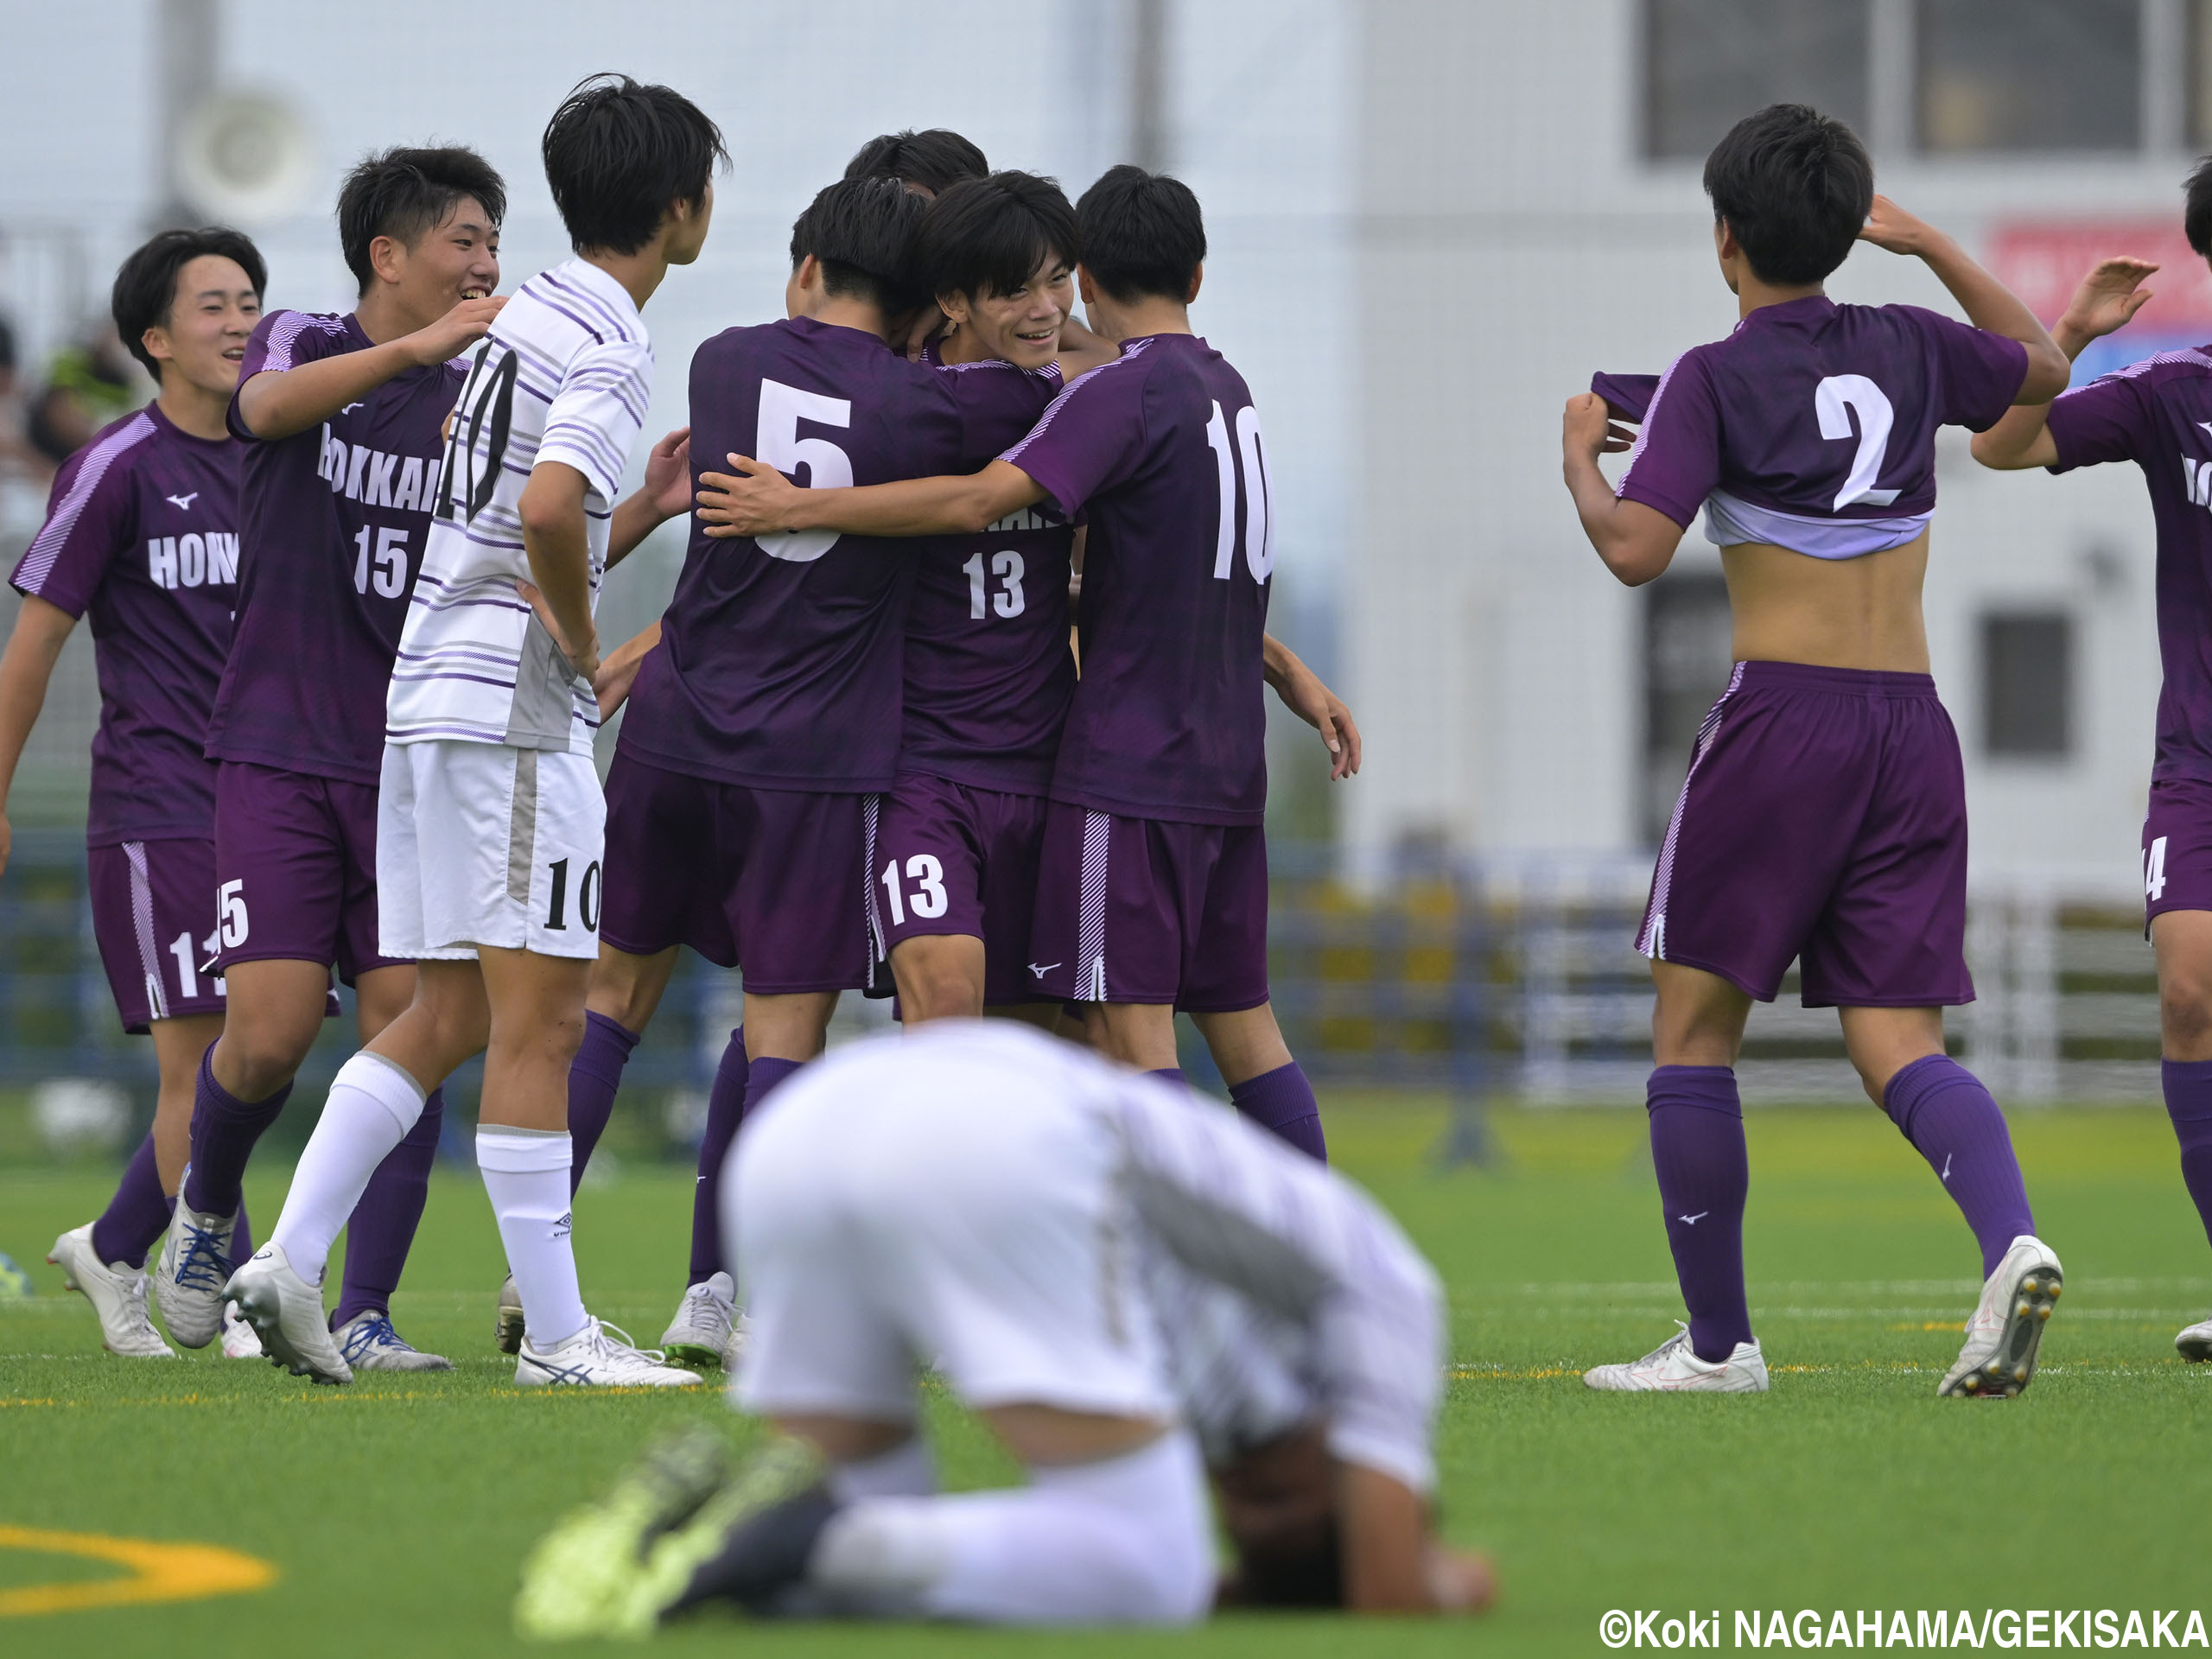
<point x="1989" y="305"/>
<point x="665" y="494"/>
<point x="755" y="500"/>
<point x="277" y="402"/>
<point x="2108" y="299"/>
<point x="1636" y="542"/>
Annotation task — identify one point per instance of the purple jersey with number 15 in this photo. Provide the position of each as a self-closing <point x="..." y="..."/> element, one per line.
<point x="1161" y="449"/>
<point x="333" y="524"/>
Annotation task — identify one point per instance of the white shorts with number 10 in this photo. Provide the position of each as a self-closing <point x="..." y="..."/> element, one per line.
<point x="481" y="844"/>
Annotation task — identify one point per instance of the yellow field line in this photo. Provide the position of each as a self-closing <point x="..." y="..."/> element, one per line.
<point x="159" y="1571"/>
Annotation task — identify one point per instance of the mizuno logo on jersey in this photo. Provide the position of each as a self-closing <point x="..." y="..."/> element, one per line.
<point x="376" y="479"/>
<point x="193" y="561"/>
<point x="1041" y="972"/>
<point x="182" y="503"/>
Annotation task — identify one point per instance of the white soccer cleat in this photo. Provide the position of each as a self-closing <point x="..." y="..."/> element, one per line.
<point x="286" y="1313"/>
<point x="703" y="1322"/>
<point x="189" y="1278"/>
<point x="116" y="1293"/>
<point x="507" y="1325"/>
<point x="1998" y="1358"/>
<point x="741" y="1333"/>
<point x="593" y="1359"/>
<point x="239" y="1341"/>
<point x="2194" y="1344"/>
<point x="369" y="1344"/>
<point x="1674" y="1368"/>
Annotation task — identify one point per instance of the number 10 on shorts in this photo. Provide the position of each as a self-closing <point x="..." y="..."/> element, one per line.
<point x="2154" y="870"/>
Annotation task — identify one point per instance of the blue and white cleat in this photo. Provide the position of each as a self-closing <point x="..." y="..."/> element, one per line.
<point x="194" y="1266"/>
<point x="286" y="1313"/>
<point x="368" y="1343"/>
<point x="1998" y="1359"/>
<point x="593" y="1359"/>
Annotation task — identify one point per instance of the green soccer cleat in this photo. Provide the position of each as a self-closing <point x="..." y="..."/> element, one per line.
<point x="748" y="1543"/>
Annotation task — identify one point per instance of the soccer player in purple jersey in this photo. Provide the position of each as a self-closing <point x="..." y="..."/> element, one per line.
<point x="2157" y="413"/>
<point x="142" y="536"/>
<point x="1152" y="893"/>
<point x="342" y="419"/>
<point x="1824" y="815"/>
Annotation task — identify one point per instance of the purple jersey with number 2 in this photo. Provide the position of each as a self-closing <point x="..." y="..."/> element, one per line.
<point x="1812" y="426"/>
<point x="1161" y="449"/>
<point x="143" y="536"/>
<point x="334" y="519"/>
<point x="2155" y="414"/>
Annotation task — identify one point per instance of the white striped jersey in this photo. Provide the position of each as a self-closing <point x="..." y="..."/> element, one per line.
<point x="564" y="375"/>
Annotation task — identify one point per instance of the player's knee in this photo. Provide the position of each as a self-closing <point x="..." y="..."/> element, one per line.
<point x="943" y="992"/>
<point x="2185" y="1013"/>
<point x="257" y="1057"/>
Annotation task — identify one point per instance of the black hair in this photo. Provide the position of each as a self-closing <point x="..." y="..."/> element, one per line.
<point x="1142" y="233"/>
<point x="935" y="160"/>
<point x="988" y="236"/>
<point x="145" y="286"/>
<point x="1795" y="186"/>
<point x="405" y="194"/>
<point x="861" y="231"/>
<point x="2196" y="215"/>
<point x="619" y="154"/>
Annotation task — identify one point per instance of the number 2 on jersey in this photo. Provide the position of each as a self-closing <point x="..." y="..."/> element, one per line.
<point x="1257" y="496"/>
<point x="1830" y="399"/>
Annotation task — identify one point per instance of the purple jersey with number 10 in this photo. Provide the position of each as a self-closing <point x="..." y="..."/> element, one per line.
<point x="333" y="524"/>
<point x="1812" y="426"/>
<point x="1161" y="449"/>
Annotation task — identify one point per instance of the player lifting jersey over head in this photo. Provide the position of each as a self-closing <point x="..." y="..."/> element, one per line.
<point x="1823" y="819"/>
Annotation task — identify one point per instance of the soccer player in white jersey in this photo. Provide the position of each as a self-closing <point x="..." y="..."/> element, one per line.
<point x="490" y="815"/>
<point x="1129" y="1283"/>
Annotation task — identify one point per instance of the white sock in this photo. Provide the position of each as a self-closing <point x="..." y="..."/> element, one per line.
<point x="526" y="1174"/>
<point x="907" y="1470"/>
<point x="371" y="1105"/>
<point x="1128" y="1540"/>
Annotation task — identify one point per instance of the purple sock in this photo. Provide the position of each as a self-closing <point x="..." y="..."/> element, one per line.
<point x="381" y="1229"/>
<point x="242" y="1235"/>
<point x="594" y="1076"/>
<point x="224" y="1131"/>
<point x="138" y="1214"/>
<point x="1951" y="1121"/>
<point x="1282" y="1101"/>
<point x="1697" y="1151"/>
<point x="1170" y="1074"/>
<point x="761" y="1077"/>
<point x="2189" y="1102"/>
<point x="725" y="1109"/>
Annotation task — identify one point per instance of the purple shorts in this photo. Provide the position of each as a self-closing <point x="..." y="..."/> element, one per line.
<point x="1824" y="818"/>
<point x="154" y="917"/>
<point x="1144" y="909"/>
<point x="2177" y="848"/>
<point x="295" y="869"/>
<point x="770" y="880"/>
<point x="952" y="858"/>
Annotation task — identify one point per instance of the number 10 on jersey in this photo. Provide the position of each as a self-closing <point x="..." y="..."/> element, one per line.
<point x="1258" y="498"/>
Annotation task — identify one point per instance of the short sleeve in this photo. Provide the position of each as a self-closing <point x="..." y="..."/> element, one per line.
<point x="1982" y="372"/>
<point x="596" y="416"/>
<point x="1675" y="461"/>
<point x="91" y="519"/>
<point x="1090" y="438"/>
<point x="1628" y="397"/>
<point x="281" y="341"/>
<point x="2104" y="421"/>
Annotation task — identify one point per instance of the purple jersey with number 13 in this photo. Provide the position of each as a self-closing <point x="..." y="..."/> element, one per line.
<point x="1161" y="449"/>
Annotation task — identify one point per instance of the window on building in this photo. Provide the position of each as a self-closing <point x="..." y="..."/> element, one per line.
<point x="2027" y="685"/>
<point x="1711" y="62"/>
<point x="1686" y="663"/>
<point x="2029" y="75"/>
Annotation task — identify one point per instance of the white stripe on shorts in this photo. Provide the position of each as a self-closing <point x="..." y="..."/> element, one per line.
<point x="141" y="924"/>
<point x="522" y="827"/>
<point x="1653" y="941"/>
<point x="870" y="806"/>
<point x="1090" y="922"/>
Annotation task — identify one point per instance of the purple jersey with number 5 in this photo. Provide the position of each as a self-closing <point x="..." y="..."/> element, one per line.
<point x="779" y="662"/>
<point x="141" y="536"/>
<point x="1813" y="424"/>
<point x="1161" y="449"/>
<point x="332" y="522"/>
<point x="988" y="671"/>
<point x="2157" y="414"/>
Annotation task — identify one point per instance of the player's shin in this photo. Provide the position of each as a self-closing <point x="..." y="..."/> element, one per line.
<point x="1281" y="1101"/>
<point x="594" y="1077"/>
<point x="382" y="1229"/>
<point x="1953" y="1122"/>
<point x="225" y="1130"/>
<point x="373" y="1106"/>
<point x="1697" y="1152"/>
<point x="2188" y="1085"/>
<point x="138" y="1214"/>
<point x="526" y="1177"/>
<point x="726" y="1104"/>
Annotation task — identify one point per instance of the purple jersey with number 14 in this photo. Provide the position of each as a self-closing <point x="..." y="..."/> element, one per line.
<point x="333" y="524"/>
<point x="1161" y="449"/>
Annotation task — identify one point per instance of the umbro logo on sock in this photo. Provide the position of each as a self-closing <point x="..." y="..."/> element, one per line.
<point x="1692" y="1221"/>
<point x="562" y="1227"/>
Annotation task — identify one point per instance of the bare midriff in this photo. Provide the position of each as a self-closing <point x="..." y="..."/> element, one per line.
<point x="1862" y="613"/>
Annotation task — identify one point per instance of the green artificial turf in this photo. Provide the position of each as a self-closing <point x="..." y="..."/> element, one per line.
<point x="398" y="1510"/>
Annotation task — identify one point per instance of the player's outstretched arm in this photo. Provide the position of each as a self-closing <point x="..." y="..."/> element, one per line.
<point x="1636" y="542"/>
<point x="1989" y="305"/>
<point x="1304" y="696"/>
<point x="753" y="499"/>
<point x="2108" y="297"/>
<point x="665" y="494"/>
<point x="556" y="541"/>
<point x="1391" y="1564"/>
<point x="26" y="667"/>
<point x="276" y="404"/>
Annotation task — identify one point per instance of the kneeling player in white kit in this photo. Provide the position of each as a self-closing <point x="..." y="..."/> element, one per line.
<point x="1127" y="1283"/>
<point x="490" y="819"/>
